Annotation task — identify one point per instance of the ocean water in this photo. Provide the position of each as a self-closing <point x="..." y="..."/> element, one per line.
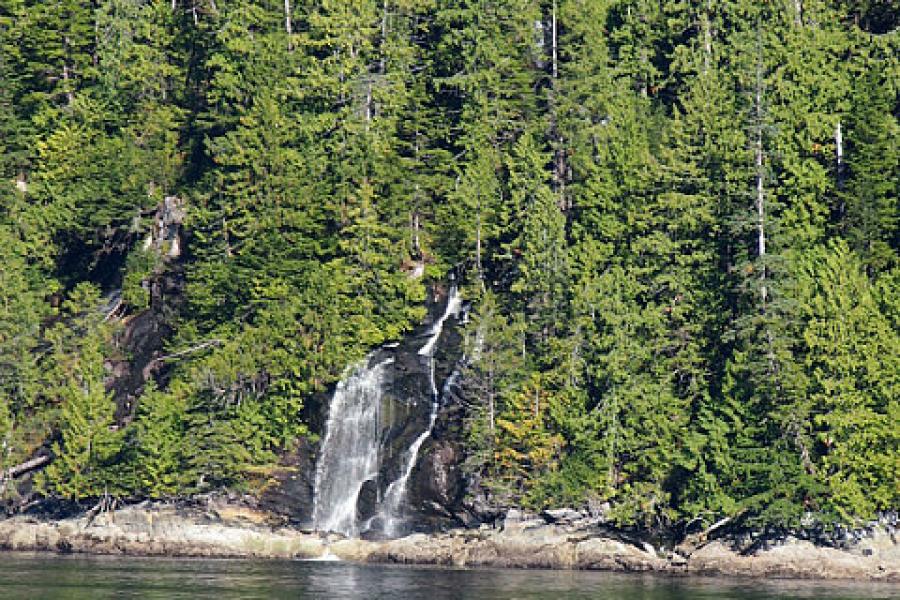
<point x="74" y="577"/>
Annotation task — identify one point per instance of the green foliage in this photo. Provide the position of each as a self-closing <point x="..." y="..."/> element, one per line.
<point x="157" y="441"/>
<point x="677" y="223"/>
<point x="85" y="453"/>
<point x="490" y="376"/>
<point x="868" y="203"/>
<point x="140" y="265"/>
<point x="852" y="354"/>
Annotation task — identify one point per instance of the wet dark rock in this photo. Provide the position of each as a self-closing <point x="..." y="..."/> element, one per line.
<point x="291" y="496"/>
<point x="438" y="478"/>
<point x="367" y="504"/>
<point x="140" y="345"/>
<point x="435" y="487"/>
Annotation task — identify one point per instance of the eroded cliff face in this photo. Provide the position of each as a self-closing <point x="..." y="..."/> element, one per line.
<point x="140" y="343"/>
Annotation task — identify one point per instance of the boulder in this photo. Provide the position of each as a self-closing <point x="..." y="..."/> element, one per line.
<point x="563" y="516"/>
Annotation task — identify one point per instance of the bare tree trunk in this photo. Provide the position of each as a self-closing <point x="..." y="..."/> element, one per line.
<point x="478" y="245"/>
<point x="25" y="467"/>
<point x="707" y="36"/>
<point x="382" y="68"/>
<point x="760" y="187"/>
<point x="415" y="226"/>
<point x="70" y="97"/>
<point x="839" y="152"/>
<point x="491" y="412"/>
<point x="560" y="167"/>
<point x="839" y="165"/>
<point x="288" y="27"/>
<point x="798" y="12"/>
<point x="554" y="47"/>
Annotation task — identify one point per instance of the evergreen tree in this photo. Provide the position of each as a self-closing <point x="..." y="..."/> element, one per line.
<point x="852" y="354"/>
<point x="88" y="444"/>
<point x="868" y="202"/>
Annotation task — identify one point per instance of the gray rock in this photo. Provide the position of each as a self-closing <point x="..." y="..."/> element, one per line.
<point x="562" y="515"/>
<point x="238" y="531"/>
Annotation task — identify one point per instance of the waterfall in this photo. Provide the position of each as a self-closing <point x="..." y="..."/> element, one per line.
<point x="454" y="305"/>
<point x="349" y="455"/>
<point x="396" y="491"/>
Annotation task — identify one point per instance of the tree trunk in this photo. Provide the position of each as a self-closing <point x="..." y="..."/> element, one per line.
<point x="707" y="36"/>
<point x="478" y="245"/>
<point x="554" y="48"/>
<point x="70" y="98"/>
<point x="760" y="189"/>
<point x="491" y="413"/>
<point x="25" y="467"/>
<point x="287" y="19"/>
<point x="382" y="67"/>
<point x="839" y="153"/>
<point x="560" y="168"/>
<point x="417" y="250"/>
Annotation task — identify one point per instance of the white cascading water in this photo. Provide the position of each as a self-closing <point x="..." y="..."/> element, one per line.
<point x="349" y="454"/>
<point x="396" y="491"/>
<point x="350" y="449"/>
<point x="454" y="305"/>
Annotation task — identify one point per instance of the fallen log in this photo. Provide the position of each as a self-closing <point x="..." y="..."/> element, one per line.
<point x="25" y="467"/>
<point x="694" y="542"/>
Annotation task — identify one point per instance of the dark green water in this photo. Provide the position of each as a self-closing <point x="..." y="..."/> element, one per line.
<point x="78" y="577"/>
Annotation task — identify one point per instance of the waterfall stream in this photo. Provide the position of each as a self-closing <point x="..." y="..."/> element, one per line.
<point x="396" y="491"/>
<point x="349" y="454"/>
<point x="350" y="450"/>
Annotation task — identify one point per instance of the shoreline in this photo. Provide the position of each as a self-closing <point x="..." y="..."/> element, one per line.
<point x="236" y="532"/>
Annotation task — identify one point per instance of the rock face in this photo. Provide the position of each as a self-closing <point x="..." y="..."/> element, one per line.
<point x="522" y="541"/>
<point x="291" y="497"/>
<point x="434" y="487"/>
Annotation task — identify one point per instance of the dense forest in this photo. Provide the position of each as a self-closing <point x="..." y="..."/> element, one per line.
<point x="677" y="223"/>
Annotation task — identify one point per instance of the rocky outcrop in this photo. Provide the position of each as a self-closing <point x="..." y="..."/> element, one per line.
<point x="161" y="531"/>
<point x="797" y="559"/>
<point x="521" y="541"/>
<point x="290" y="496"/>
<point x="437" y="485"/>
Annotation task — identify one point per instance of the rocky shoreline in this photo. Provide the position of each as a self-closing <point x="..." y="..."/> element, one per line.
<point x="227" y="531"/>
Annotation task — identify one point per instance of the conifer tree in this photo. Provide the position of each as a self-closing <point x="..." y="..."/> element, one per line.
<point x="852" y="355"/>
<point x="868" y="202"/>
<point x="88" y="444"/>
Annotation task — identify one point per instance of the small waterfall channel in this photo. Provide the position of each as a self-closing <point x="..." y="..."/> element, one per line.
<point x="352" y="448"/>
<point x="349" y="452"/>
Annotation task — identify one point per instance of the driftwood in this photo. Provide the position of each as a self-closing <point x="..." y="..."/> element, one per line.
<point x="714" y="526"/>
<point x="694" y="542"/>
<point x="25" y="467"/>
